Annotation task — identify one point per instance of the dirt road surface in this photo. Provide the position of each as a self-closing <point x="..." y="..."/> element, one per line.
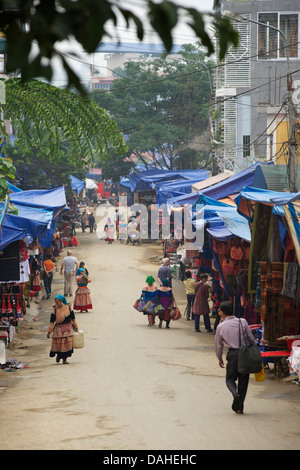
<point x="133" y="387"/>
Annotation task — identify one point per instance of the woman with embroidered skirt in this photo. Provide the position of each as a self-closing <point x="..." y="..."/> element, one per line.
<point x="149" y="292"/>
<point x="62" y="325"/>
<point x="82" y="301"/>
<point x="166" y="299"/>
<point x="109" y="229"/>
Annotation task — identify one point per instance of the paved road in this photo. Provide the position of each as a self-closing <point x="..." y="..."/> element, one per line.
<point x="133" y="387"/>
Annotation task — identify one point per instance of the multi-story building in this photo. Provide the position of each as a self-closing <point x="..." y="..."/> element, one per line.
<point x="255" y="82"/>
<point x="115" y="55"/>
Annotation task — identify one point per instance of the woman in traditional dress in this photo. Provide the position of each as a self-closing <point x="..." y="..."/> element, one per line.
<point x="149" y="292"/>
<point x="109" y="229"/>
<point x="166" y="299"/>
<point x="62" y="325"/>
<point x="82" y="301"/>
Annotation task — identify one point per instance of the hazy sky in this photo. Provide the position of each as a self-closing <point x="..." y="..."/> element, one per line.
<point x="182" y="34"/>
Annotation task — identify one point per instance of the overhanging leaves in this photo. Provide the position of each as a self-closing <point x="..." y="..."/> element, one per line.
<point x="47" y="22"/>
<point x="43" y="115"/>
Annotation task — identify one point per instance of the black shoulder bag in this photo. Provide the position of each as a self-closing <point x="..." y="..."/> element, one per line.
<point x="249" y="356"/>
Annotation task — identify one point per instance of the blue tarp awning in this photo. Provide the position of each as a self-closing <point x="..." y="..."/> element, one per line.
<point x="34" y="213"/>
<point x="224" y="220"/>
<point x="221" y="190"/>
<point x="264" y="196"/>
<point x="171" y="189"/>
<point x="147" y="180"/>
<point x="13" y="188"/>
<point x="285" y="198"/>
<point x="290" y="203"/>
<point x="234" y="183"/>
<point x="35" y="228"/>
<point x="10" y="234"/>
<point x="49" y="199"/>
<point x="76" y="184"/>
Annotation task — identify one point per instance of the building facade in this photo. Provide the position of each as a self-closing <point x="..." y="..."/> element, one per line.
<point x="253" y="86"/>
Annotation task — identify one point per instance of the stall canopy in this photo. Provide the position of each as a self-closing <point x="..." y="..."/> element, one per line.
<point x="10" y="234"/>
<point x="234" y="184"/>
<point x="34" y="213"/>
<point x="33" y="227"/>
<point x="76" y="184"/>
<point x="90" y="184"/>
<point x="13" y="188"/>
<point x="224" y="220"/>
<point x="52" y="199"/>
<point x="147" y="180"/>
<point x="175" y="188"/>
<point x="264" y="196"/>
<point x="291" y="206"/>
<point x="227" y="187"/>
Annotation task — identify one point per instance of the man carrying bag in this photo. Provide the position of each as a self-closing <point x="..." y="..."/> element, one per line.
<point x="228" y="331"/>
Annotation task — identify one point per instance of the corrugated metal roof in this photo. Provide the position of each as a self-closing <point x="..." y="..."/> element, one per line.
<point x="274" y="177"/>
<point x="209" y="182"/>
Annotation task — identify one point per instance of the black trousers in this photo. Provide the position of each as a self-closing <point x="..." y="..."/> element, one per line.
<point x="233" y="376"/>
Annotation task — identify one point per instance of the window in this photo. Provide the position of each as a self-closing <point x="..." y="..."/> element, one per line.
<point x="289" y="27"/>
<point x="271" y="44"/>
<point x="246" y="146"/>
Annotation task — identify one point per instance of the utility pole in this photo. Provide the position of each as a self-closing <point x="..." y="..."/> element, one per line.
<point x="292" y="138"/>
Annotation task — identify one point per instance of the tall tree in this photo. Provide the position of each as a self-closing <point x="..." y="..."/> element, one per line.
<point x="162" y="106"/>
<point x="44" y="24"/>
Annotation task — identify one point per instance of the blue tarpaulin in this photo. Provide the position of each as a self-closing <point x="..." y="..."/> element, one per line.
<point x="76" y="184"/>
<point x="34" y="213"/>
<point x="33" y="227"/>
<point x="175" y="188"/>
<point x="224" y="220"/>
<point x="264" y="196"/>
<point x="147" y="180"/>
<point x="13" y="188"/>
<point x="234" y="184"/>
<point x="49" y="199"/>
<point x="10" y="234"/>
<point x="290" y="204"/>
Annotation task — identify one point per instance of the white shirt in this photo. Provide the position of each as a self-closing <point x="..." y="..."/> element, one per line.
<point x="70" y="263"/>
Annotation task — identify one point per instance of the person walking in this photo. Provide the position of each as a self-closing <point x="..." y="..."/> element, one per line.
<point x="62" y="325"/>
<point x="165" y="272"/>
<point x="69" y="266"/>
<point x="110" y="231"/>
<point x="166" y="299"/>
<point x="228" y="332"/>
<point x="91" y="222"/>
<point x="83" y="221"/>
<point x="200" y="306"/>
<point x="49" y="267"/>
<point x="190" y="293"/>
<point x="82" y="300"/>
<point x="149" y="291"/>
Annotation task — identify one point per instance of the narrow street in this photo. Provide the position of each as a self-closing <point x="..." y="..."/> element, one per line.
<point x="134" y="387"/>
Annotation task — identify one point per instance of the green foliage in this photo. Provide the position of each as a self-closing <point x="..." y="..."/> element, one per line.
<point x="161" y="106"/>
<point x="32" y="172"/>
<point x="7" y="171"/>
<point x="48" y="22"/>
<point x="43" y="116"/>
